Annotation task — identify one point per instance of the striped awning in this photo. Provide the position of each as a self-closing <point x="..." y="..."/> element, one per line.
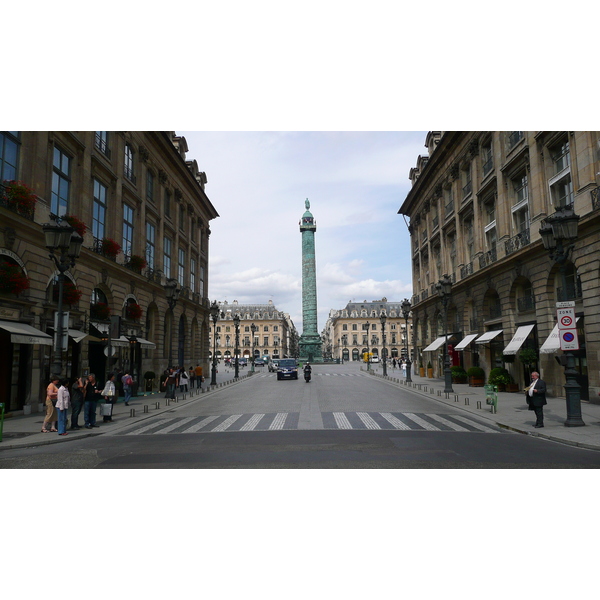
<point x="465" y="341"/>
<point x="21" y="333"/>
<point x="435" y="345"/>
<point x="488" y="337"/>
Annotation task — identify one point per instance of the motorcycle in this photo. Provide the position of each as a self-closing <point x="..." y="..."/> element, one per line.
<point x="307" y="376"/>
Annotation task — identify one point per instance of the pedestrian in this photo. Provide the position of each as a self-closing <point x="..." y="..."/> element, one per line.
<point x="92" y="394"/>
<point x="170" y="384"/>
<point x="393" y="363"/>
<point x="110" y="397"/>
<point x="183" y="380"/>
<point x="404" y="369"/>
<point x="536" y="398"/>
<point x="192" y="373"/>
<point x="62" y="404"/>
<point x="127" y="381"/>
<point x="77" y="400"/>
<point x="199" y="378"/>
<point x="51" y="417"/>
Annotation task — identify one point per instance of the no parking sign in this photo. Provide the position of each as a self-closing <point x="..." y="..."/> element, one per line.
<point x="567" y="329"/>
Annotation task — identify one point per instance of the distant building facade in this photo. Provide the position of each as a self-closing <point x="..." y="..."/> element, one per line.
<point x="275" y="335"/>
<point x="356" y="330"/>
<point x="476" y="206"/>
<point x="133" y="190"/>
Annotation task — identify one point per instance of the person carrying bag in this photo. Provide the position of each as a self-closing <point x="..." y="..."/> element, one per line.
<point x="110" y="397"/>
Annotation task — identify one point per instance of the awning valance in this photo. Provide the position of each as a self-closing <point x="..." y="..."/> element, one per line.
<point x="435" y="345"/>
<point x="121" y="342"/>
<point x="518" y="339"/>
<point x="552" y="343"/>
<point x="77" y="335"/>
<point x="102" y="327"/>
<point x="146" y="344"/>
<point x="20" y="333"/>
<point x="487" y="337"/>
<point x="466" y="341"/>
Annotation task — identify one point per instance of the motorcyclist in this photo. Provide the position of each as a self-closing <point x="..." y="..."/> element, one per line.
<point x="307" y="371"/>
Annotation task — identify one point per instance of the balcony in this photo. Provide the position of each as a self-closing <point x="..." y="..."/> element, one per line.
<point x="466" y="270"/>
<point x="595" y="198"/>
<point x="487" y="258"/>
<point x="573" y="292"/>
<point x="467" y="190"/>
<point x="23" y="204"/>
<point x="128" y="172"/>
<point x="526" y="303"/>
<point x="488" y="166"/>
<point x="514" y="138"/>
<point x="517" y="242"/>
<point x="449" y="209"/>
<point x="102" y="146"/>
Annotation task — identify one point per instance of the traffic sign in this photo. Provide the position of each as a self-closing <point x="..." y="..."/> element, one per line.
<point x="568" y="339"/>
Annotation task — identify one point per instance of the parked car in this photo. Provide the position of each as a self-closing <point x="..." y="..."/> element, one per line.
<point x="259" y="362"/>
<point x="375" y="359"/>
<point x="272" y="364"/>
<point x="287" y="369"/>
<point x="242" y="362"/>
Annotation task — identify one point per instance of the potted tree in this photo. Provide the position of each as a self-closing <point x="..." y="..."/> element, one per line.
<point x="421" y="368"/>
<point x="476" y="376"/>
<point x="528" y="356"/>
<point x="500" y="377"/>
<point x="429" y="370"/>
<point x="459" y="375"/>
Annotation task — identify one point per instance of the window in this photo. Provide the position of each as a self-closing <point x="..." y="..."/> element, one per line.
<point x="466" y="182"/>
<point x="266" y="328"/>
<point x="61" y="182"/>
<point x="167" y="207"/>
<point x="127" y="230"/>
<point x="149" y="186"/>
<point x="167" y="257"/>
<point x="487" y="158"/>
<point x="275" y="327"/>
<point x="181" y="216"/>
<point x="150" y="244"/>
<point x="101" y="142"/>
<point x="9" y="155"/>
<point x="266" y="340"/>
<point x="448" y="201"/>
<point x="99" y="211"/>
<point x="128" y="166"/>
<point x="354" y="327"/>
<point x="561" y="185"/>
<point x="181" y="267"/>
<point x="514" y="137"/>
<point x="520" y="188"/>
<point x="193" y="274"/>
<point x="345" y="327"/>
<point x="201" y="290"/>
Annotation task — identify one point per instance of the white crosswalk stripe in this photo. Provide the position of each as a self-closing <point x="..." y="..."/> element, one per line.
<point x="426" y="424"/>
<point x="278" y="421"/>
<point x="397" y="423"/>
<point x="226" y="423"/>
<point x="448" y="423"/>
<point x="252" y="423"/>
<point x="342" y="420"/>
<point x="199" y="425"/>
<point x="151" y="426"/>
<point x="475" y="424"/>
<point x="175" y="425"/>
<point x="368" y="420"/>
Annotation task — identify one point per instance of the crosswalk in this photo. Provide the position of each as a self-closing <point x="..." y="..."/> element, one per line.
<point x="331" y="420"/>
<point x="318" y="375"/>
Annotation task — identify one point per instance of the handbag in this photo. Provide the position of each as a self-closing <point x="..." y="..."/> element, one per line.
<point x="106" y="410"/>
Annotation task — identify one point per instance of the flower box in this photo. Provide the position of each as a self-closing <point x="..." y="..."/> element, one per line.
<point x="19" y="198"/>
<point x="100" y="311"/>
<point x="77" y="224"/>
<point x="133" y="311"/>
<point x="137" y="263"/>
<point x="71" y="295"/>
<point x="110" y="248"/>
<point x="12" y="278"/>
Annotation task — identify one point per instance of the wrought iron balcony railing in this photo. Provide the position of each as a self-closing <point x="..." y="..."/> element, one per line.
<point x="517" y="242"/>
<point x="526" y="303"/>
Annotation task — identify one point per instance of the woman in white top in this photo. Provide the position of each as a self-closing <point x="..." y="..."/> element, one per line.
<point x="183" y="381"/>
<point x="62" y="405"/>
<point x="110" y="396"/>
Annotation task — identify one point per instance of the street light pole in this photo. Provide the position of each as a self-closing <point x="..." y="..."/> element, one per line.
<point x="368" y="353"/>
<point x="236" y="322"/>
<point x="405" y="307"/>
<point x="558" y="233"/>
<point x="214" y="314"/>
<point x="444" y="288"/>
<point x="61" y="236"/>
<point x="253" y="329"/>
<point x="383" y="319"/>
<point x="172" y="292"/>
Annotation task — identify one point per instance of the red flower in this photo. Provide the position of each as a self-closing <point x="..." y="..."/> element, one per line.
<point x="20" y="197"/>
<point x="100" y="311"/>
<point x="77" y="224"/>
<point x="110" y="248"/>
<point x="133" y="311"/>
<point x="12" y="278"/>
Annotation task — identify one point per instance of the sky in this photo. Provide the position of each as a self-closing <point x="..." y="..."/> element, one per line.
<point x="355" y="182"/>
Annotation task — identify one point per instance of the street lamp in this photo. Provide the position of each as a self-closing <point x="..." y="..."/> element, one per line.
<point x="253" y="329"/>
<point x="368" y="353"/>
<point x="214" y="315"/>
<point x="444" y="289"/>
<point x="559" y="232"/>
<point x="172" y="292"/>
<point x="236" y="322"/>
<point x="405" y="307"/>
<point x="383" y="319"/>
<point x="61" y="237"/>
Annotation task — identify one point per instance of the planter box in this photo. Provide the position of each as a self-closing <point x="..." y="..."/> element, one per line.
<point x="430" y="373"/>
<point x="476" y="381"/>
<point x="512" y="387"/>
<point x="421" y="371"/>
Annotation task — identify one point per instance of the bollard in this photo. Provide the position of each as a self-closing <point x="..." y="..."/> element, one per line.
<point x="456" y="398"/>
<point x="132" y="412"/>
<point x="478" y="403"/>
<point x="466" y="402"/>
<point x="439" y="392"/>
<point x="158" y="405"/>
<point x="447" y="394"/>
<point x="168" y="401"/>
<point x="145" y="408"/>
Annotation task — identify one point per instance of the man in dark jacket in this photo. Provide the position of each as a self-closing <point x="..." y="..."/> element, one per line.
<point x="537" y="398"/>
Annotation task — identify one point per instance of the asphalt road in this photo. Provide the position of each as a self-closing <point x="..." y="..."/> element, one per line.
<point x="341" y="419"/>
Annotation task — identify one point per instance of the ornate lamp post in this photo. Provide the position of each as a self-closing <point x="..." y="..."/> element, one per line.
<point x="405" y="307"/>
<point x="383" y="319"/>
<point x="253" y="329"/>
<point x="172" y="292"/>
<point x="61" y="237"/>
<point x="368" y="353"/>
<point x="214" y="315"/>
<point x="236" y="322"/>
<point x="444" y="289"/>
<point x="559" y="232"/>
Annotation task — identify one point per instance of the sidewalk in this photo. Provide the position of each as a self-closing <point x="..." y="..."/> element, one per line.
<point x="512" y="411"/>
<point x="24" y="431"/>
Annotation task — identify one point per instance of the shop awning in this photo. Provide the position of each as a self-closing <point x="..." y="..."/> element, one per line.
<point x="121" y="342"/>
<point x="146" y="344"/>
<point x="20" y="333"/>
<point x="435" y="345"/>
<point x="518" y="339"/>
<point x="488" y="337"/>
<point x="552" y="344"/>
<point x="101" y="327"/>
<point x="79" y="336"/>
<point x="466" y="341"/>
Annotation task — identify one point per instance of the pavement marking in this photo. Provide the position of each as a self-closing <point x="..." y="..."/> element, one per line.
<point x="341" y="420"/>
<point x="252" y="423"/>
<point x="151" y="426"/>
<point x="200" y="425"/>
<point x="368" y="420"/>
<point x="397" y="423"/>
<point x="475" y="424"/>
<point x="447" y="423"/>
<point x="226" y="423"/>
<point x="421" y="422"/>
<point x="278" y="421"/>
<point x="175" y="425"/>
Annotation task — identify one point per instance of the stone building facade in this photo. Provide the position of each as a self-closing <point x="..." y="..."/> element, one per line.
<point x="275" y="335"/>
<point x="476" y="206"/>
<point x="355" y="330"/>
<point x="135" y="189"/>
